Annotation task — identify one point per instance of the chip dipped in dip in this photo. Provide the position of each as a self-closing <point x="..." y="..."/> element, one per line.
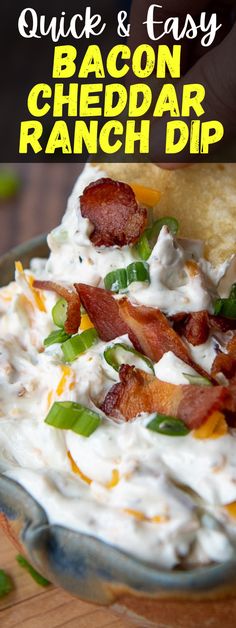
<point x="118" y="374"/>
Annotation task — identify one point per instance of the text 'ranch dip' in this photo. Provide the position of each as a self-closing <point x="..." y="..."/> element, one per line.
<point x="166" y="499"/>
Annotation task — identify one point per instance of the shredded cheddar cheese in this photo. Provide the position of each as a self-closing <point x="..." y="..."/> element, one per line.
<point x="231" y="509"/>
<point x="141" y="517"/>
<point x="214" y="427"/>
<point x="76" y="469"/>
<point x="50" y="397"/>
<point x="145" y="195"/>
<point x="85" y="323"/>
<point x="66" y="372"/>
<point x="159" y="519"/>
<point x="19" y="267"/>
<point x="115" y="478"/>
<point x="135" y="513"/>
<point x="38" y="298"/>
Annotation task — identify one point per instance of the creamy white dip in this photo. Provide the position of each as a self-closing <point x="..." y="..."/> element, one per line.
<point x="157" y="497"/>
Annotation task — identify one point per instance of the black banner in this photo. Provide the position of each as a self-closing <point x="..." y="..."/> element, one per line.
<point x="118" y="81"/>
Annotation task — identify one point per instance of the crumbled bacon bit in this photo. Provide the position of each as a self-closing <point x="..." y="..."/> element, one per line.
<point x="195" y="329"/>
<point x="112" y="209"/>
<point x="73" y="310"/>
<point x="178" y="318"/>
<point x="140" y="392"/>
<point x="226" y="362"/>
<point x="221" y="323"/>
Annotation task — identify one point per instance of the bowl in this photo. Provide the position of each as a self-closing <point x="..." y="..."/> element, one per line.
<point x="100" y="573"/>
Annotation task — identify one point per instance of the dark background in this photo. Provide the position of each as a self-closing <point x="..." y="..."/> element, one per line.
<point x="40" y="202"/>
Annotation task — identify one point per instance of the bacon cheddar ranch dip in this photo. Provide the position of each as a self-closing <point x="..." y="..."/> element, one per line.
<point x="118" y="378"/>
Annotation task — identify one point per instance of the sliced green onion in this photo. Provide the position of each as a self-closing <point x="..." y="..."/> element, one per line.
<point x="35" y="574"/>
<point x="118" y="280"/>
<point x="68" y="415"/>
<point x="197" y="380"/>
<point x="148" y="239"/>
<point x="59" y="312"/>
<point x="114" y="356"/>
<point x="142" y="247"/>
<point x="225" y="307"/>
<point x="78" y="344"/>
<point x="6" y="584"/>
<point x="167" y="221"/>
<point x="57" y="336"/>
<point x="137" y="271"/>
<point x="168" y="425"/>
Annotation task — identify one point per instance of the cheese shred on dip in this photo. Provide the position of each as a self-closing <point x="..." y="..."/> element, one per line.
<point x="118" y="380"/>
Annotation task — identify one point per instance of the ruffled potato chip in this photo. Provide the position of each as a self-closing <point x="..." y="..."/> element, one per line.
<point x="202" y="197"/>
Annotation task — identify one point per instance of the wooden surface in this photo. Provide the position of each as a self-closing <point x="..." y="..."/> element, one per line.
<point x="40" y="203"/>
<point x="37" y="209"/>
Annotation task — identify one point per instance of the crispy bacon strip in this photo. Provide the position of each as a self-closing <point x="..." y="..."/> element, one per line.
<point x="112" y="208"/>
<point x="154" y="333"/>
<point x="139" y="392"/>
<point x="73" y="310"/>
<point x="103" y="311"/>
